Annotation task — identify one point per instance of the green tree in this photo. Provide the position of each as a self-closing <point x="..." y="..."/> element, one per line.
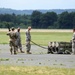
<point x="48" y="19"/>
<point x="35" y="19"/>
<point x="65" y="20"/>
<point x="72" y="19"/>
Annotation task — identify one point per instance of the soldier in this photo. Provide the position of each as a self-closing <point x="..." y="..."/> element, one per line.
<point x="18" y="41"/>
<point x="73" y="42"/>
<point x="12" y="40"/>
<point x="28" y="39"/>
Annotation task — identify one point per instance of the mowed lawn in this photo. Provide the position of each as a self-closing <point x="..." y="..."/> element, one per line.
<point x="41" y="38"/>
<point x="29" y="70"/>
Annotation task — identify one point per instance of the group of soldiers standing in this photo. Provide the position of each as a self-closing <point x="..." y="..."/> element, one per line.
<point x="15" y="40"/>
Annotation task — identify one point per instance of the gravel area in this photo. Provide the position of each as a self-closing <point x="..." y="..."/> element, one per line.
<point x="39" y="57"/>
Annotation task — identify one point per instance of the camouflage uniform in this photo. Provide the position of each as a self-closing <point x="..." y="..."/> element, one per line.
<point x="12" y="40"/>
<point x="28" y="39"/>
<point x="73" y="43"/>
<point x="18" y="41"/>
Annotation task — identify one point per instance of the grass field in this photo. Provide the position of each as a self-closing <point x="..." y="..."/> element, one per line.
<point x="25" y="70"/>
<point x="40" y="37"/>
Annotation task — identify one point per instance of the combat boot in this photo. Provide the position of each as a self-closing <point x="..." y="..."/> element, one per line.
<point x="29" y="53"/>
<point x="22" y="51"/>
<point x="15" y="52"/>
<point x="11" y="51"/>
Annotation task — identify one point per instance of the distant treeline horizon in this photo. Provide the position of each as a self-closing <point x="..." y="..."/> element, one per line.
<point x="39" y="20"/>
<point x="30" y="11"/>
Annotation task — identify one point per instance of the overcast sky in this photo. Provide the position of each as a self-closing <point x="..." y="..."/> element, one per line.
<point x="37" y="4"/>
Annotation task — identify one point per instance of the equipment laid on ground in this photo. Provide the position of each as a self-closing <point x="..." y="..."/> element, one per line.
<point x="61" y="48"/>
<point x="57" y="47"/>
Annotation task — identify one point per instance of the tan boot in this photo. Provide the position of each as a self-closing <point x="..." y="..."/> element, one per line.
<point x="22" y="52"/>
<point x="29" y="53"/>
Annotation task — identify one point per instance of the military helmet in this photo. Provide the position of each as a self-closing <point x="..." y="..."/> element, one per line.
<point x="12" y="28"/>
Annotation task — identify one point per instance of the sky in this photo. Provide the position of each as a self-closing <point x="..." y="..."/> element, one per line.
<point x="37" y="4"/>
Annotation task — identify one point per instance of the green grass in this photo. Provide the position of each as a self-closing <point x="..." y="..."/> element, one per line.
<point x="44" y="37"/>
<point x="41" y="38"/>
<point x="29" y="70"/>
<point x="4" y="59"/>
<point x="3" y="38"/>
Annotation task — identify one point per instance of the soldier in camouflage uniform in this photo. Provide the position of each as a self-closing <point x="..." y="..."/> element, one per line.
<point x="73" y="42"/>
<point x="18" y="41"/>
<point x="12" y="40"/>
<point x="28" y="39"/>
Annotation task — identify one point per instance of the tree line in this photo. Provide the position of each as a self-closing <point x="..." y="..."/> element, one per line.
<point x="39" y="20"/>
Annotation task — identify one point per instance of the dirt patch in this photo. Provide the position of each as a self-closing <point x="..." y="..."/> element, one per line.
<point x="42" y="30"/>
